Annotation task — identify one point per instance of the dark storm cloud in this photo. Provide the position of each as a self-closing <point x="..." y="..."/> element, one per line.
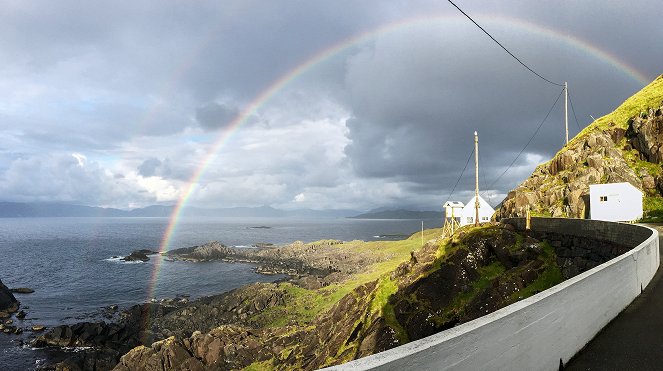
<point x="417" y="99"/>
<point x="149" y="167"/>
<point x="215" y="115"/>
<point x="138" y="83"/>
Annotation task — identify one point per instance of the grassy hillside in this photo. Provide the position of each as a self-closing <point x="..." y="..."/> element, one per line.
<point x="622" y="146"/>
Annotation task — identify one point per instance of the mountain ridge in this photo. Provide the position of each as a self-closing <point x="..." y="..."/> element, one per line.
<point x="399" y="214"/>
<point x="47" y="209"/>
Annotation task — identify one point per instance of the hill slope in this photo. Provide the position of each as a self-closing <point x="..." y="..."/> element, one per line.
<point x="623" y="146"/>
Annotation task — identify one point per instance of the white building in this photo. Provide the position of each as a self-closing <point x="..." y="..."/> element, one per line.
<point x="453" y="209"/>
<point x="615" y="202"/>
<point x="469" y="213"/>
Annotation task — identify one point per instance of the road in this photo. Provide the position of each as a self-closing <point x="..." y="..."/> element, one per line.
<point x="634" y="339"/>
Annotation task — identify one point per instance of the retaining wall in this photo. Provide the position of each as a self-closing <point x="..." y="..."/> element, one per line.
<point x="542" y="331"/>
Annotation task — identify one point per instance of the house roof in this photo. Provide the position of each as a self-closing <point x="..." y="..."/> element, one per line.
<point x="614" y="186"/>
<point x="483" y="205"/>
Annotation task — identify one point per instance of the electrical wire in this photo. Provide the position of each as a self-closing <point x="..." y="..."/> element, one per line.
<point x="502" y="46"/>
<point x="574" y="112"/>
<point x="461" y="175"/>
<point x="528" y="142"/>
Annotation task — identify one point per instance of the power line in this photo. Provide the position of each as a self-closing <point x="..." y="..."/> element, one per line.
<point x="461" y="175"/>
<point x="503" y="47"/>
<point x="528" y="142"/>
<point x="574" y="112"/>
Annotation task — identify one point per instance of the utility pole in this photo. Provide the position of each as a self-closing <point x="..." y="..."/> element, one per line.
<point x="566" y="111"/>
<point x="476" y="179"/>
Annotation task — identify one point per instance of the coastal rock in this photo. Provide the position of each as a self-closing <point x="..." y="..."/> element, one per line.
<point x="296" y="259"/>
<point x="213" y="250"/>
<point x="164" y="355"/>
<point x="22" y="290"/>
<point x="138" y="255"/>
<point x="8" y="302"/>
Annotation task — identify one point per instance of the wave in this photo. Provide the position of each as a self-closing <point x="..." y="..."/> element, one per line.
<point x="118" y="259"/>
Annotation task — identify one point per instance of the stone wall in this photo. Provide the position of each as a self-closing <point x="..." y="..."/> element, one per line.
<point x="581" y="249"/>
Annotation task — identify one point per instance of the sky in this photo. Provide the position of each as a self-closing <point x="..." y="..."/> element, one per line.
<point x="301" y="104"/>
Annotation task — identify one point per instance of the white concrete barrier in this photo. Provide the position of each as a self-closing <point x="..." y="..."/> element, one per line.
<point x="543" y="330"/>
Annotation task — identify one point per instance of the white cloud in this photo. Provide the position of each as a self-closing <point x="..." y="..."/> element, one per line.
<point x="300" y="198"/>
<point x="80" y="158"/>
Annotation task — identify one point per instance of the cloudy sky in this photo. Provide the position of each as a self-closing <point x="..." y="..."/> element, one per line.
<point x="300" y="104"/>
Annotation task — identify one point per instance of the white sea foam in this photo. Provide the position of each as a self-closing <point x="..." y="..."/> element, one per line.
<point x="118" y="259"/>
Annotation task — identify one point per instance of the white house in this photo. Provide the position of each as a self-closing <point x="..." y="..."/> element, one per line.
<point x="469" y="213"/>
<point x="453" y="209"/>
<point x="615" y="202"/>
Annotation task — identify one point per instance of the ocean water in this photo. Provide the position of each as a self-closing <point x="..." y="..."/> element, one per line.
<point x="69" y="264"/>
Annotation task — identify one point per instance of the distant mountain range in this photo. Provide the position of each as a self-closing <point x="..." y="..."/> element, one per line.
<point x="48" y="210"/>
<point x="32" y="210"/>
<point x="383" y="213"/>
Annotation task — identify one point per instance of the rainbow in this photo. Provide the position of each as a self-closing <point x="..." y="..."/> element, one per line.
<point x="341" y="47"/>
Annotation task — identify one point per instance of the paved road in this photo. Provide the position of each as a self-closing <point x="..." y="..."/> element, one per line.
<point x="634" y="339"/>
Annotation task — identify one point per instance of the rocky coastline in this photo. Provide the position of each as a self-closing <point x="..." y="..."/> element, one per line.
<point x="341" y="301"/>
<point x="101" y="344"/>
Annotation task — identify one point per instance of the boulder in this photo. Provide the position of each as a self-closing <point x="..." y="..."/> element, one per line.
<point x="8" y="302"/>
<point x="22" y="290"/>
<point x="137" y="255"/>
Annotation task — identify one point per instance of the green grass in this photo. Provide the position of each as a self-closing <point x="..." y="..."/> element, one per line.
<point x="457" y="308"/>
<point x="641" y="167"/>
<point x="652" y="208"/>
<point x="380" y="304"/>
<point x="648" y="97"/>
<point x="302" y="305"/>
<point x="550" y="277"/>
<point x="259" y="366"/>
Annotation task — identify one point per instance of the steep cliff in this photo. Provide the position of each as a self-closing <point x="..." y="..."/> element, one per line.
<point x="623" y="146"/>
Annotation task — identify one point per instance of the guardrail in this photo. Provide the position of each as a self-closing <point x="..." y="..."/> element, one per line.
<point x="545" y="330"/>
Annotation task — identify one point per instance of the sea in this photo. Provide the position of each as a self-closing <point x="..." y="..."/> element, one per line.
<point x="73" y="265"/>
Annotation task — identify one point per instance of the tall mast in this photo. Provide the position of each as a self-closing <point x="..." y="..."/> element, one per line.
<point x="476" y="179"/>
<point x="566" y="111"/>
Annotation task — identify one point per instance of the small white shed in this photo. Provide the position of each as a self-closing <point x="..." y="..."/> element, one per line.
<point x="453" y="209"/>
<point x="485" y="212"/>
<point x="615" y="202"/>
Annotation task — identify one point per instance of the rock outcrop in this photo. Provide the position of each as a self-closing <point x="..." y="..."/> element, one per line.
<point x="8" y="303"/>
<point x="296" y="259"/>
<point x="139" y="255"/>
<point x="606" y="152"/>
<point x="489" y="268"/>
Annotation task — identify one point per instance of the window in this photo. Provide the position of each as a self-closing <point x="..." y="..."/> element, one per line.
<point x="603" y="198"/>
<point x="484" y="218"/>
<point x="470" y="219"/>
